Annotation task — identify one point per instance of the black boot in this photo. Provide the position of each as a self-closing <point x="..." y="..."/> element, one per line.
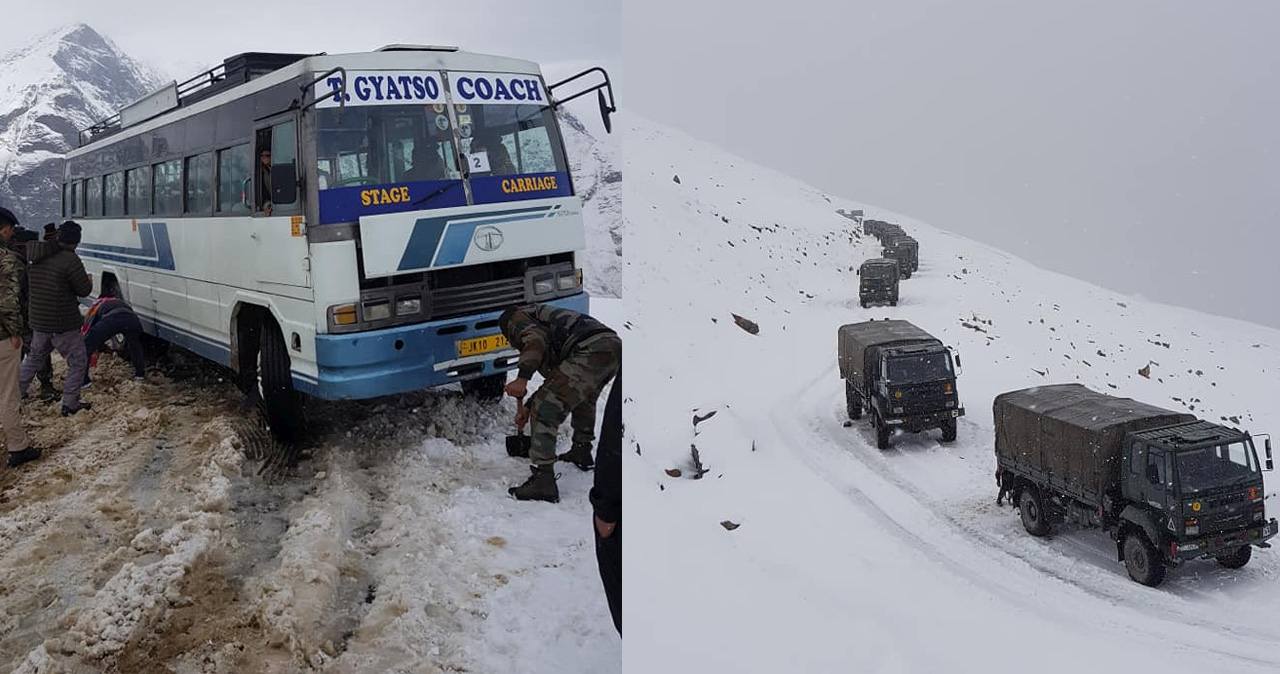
<point x="68" y="411"/>
<point x="579" y="455"/>
<point x="48" y="393"/>
<point x="18" y="458"/>
<point x="541" y="486"/>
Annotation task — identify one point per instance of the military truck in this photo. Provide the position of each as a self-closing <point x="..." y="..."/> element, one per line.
<point x="1165" y="485"/>
<point x="903" y="376"/>
<point x="888" y="231"/>
<point x="872" y="227"/>
<point x="906" y="251"/>
<point x="878" y="282"/>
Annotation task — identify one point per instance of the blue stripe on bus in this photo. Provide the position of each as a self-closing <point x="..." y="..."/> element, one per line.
<point x="420" y="253"/>
<point x="154" y="249"/>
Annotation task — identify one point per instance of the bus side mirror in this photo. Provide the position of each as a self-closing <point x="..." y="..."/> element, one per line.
<point x="284" y="183"/>
<point x="605" y="111"/>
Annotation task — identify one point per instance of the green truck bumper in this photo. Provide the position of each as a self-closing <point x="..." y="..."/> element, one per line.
<point x="1214" y="545"/>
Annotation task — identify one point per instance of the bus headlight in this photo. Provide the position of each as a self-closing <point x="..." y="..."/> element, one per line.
<point x="343" y="314"/>
<point x="544" y="285"/>
<point x="406" y="306"/>
<point x="377" y="311"/>
<point x="569" y="280"/>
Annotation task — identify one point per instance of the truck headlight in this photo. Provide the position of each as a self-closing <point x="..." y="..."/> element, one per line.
<point x="951" y="403"/>
<point x="376" y="311"/>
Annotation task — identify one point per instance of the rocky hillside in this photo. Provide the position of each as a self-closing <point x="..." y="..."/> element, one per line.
<point x="50" y="88"/>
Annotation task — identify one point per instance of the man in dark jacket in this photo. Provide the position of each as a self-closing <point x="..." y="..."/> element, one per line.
<point x="110" y="316"/>
<point x="18" y="244"/>
<point x="606" y="502"/>
<point x="16" y="440"/>
<point x="577" y="356"/>
<point x="57" y="279"/>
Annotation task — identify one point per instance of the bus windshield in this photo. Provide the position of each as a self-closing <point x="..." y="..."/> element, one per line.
<point x="376" y="145"/>
<point x="383" y="144"/>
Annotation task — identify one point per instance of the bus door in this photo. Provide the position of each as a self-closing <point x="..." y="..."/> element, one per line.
<point x="279" y="231"/>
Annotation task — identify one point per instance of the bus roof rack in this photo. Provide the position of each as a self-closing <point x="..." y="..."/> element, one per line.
<point x="232" y="72"/>
<point x="417" y="47"/>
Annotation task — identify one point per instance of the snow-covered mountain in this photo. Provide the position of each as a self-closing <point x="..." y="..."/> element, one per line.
<point x="57" y="84"/>
<point x="849" y="559"/>
<point x="597" y="177"/>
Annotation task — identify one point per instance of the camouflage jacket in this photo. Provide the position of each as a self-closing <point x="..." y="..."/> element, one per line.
<point x="11" y="271"/>
<point x="546" y="335"/>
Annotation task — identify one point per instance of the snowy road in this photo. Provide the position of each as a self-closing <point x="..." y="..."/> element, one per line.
<point x="847" y="558"/>
<point x="146" y="541"/>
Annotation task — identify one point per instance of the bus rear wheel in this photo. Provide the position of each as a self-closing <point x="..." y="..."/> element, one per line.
<point x="281" y="403"/>
<point x="486" y="389"/>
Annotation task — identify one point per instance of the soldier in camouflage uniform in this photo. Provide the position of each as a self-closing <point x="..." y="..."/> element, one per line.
<point x="11" y="329"/>
<point x="577" y="356"/>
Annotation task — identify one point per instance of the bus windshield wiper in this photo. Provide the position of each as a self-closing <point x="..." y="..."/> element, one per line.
<point x="433" y="195"/>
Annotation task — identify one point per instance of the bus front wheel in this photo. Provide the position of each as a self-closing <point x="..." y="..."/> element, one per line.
<point x="282" y="404"/>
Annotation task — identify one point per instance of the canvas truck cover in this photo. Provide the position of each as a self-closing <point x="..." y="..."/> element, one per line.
<point x="1071" y="435"/>
<point x="856" y="341"/>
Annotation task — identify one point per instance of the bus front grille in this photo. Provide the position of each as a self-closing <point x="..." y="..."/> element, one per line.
<point x="476" y="298"/>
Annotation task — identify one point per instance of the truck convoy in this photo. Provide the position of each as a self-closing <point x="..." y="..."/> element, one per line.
<point x="902" y="375"/>
<point x="1167" y="486"/>
<point x="878" y="282"/>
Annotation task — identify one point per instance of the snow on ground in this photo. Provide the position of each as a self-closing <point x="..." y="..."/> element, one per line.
<point x="147" y="541"/>
<point x="851" y="559"/>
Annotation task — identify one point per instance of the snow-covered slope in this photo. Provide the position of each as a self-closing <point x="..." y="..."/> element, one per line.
<point x="593" y="161"/>
<point x="848" y="559"/>
<point x="51" y="88"/>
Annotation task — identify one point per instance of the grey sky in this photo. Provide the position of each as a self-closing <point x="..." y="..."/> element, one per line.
<point x="1134" y="144"/>
<point x="182" y="38"/>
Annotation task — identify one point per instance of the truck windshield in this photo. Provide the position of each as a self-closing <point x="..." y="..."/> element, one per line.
<point x="924" y="367"/>
<point x="1216" y="466"/>
<point x="878" y="271"/>
<point x="382" y="144"/>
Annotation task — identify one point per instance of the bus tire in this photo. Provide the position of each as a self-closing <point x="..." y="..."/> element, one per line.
<point x="486" y="389"/>
<point x="1031" y="508"/>
<point x="1141" y="559"/>
<point x="1238" y="558"/>
<point x="281" y="403"/>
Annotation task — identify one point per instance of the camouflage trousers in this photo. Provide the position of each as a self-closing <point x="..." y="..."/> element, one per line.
<point x="572" y="389"/>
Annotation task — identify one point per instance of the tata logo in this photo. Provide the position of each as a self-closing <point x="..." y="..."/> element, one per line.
<point x="488" y="238"/>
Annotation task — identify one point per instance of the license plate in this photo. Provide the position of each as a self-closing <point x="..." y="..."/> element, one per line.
<point x="479" y="345"/>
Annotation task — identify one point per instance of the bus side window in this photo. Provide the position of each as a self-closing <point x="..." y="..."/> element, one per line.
<point x="114" y="194"/>
<point x="138" y="191"/>
<point x="233" y="172"/>
<point x="284" y="165"/>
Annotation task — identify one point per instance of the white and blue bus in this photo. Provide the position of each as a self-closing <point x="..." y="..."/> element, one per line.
<point x="339" y="226"/>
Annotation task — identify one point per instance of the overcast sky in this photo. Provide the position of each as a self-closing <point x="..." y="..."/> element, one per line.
<point x="184" y="38"/>
<point x="1134" y="143"/>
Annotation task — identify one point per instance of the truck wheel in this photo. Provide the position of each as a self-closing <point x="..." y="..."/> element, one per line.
<point x="1237" y="559"/>
<point x="863" y="303"/>
<point x="949" y="430"/>
<point x="282" y="403"/>
<point x="1142" y="560"/>
<point x="852" y="401"/>
<point x="485" y="389"/>
<point x="882" y="431"/>
<point x="893" y="302"/>
<point x="1034" y="518"/>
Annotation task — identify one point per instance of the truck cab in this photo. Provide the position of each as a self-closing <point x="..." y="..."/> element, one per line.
<point x="878" y="282"/>
<point x="902" y="375"/>
<point x="1199" y="488"/>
